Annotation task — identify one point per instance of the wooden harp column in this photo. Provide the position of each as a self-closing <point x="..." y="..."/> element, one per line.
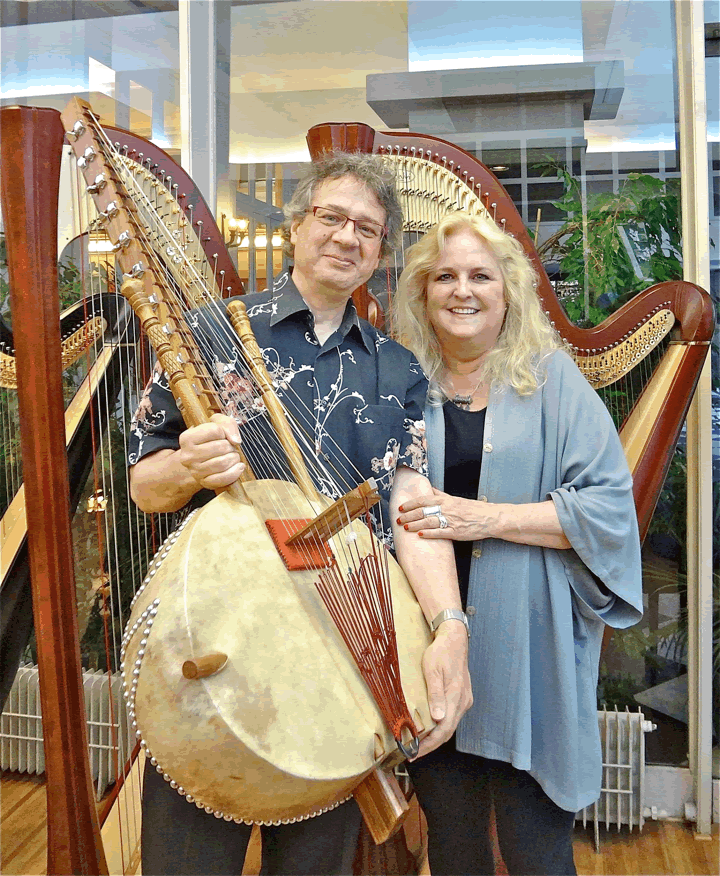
<point x="30" y="152"/>
<point x="30" y="156"/>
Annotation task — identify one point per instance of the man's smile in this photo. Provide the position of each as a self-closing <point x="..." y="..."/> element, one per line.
<point x="340" y="260"/>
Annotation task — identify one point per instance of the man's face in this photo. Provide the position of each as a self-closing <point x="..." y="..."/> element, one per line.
<point x="337" y="259"/>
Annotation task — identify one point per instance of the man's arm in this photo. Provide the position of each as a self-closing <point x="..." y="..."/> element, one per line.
<point x="207" y="458"/>
<point x="430" y="568"/>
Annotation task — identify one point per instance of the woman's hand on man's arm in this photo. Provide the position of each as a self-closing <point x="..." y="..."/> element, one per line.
<point x="535" y="523"/>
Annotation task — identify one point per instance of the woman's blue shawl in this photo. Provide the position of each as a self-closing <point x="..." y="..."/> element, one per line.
<point x="537" y="614"/>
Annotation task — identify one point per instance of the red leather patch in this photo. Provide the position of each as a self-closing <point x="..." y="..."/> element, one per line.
<point x="303" y="555"/>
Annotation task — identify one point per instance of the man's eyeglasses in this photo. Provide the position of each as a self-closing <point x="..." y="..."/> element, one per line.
<point x="364" y="227"/>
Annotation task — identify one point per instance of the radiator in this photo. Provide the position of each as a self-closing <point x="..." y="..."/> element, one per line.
<point x="21" y="734"/>
<point x="622" y="737"/>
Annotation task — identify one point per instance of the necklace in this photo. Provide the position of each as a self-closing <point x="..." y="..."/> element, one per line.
<point x="463" y="401"/>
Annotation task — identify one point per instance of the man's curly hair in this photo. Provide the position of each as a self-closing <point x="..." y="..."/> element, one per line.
<point x="371" y="170"/>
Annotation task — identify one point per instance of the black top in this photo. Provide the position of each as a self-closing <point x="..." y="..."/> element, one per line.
<point x="463" y="455"/>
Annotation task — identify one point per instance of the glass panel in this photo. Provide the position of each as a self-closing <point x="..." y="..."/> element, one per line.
<point x="612" y="139"/>
<point x="505" y="163"/>
<point x="126" y="66"/>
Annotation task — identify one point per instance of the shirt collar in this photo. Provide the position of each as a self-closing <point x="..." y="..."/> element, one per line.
<point x="288" y="301"/>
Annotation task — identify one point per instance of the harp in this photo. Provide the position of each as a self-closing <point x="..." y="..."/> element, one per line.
<point x="100" y="333"/>
<point x="100" y="319"/>
<point x="644" y="359"/>
<point x="32" y="140"/>
<point x="97" y="321"/>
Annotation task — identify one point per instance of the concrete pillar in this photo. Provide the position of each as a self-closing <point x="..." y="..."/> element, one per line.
<point x="205" y="97"/>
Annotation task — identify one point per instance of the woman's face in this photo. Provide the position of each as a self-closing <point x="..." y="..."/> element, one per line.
<point x="465" y="300"/>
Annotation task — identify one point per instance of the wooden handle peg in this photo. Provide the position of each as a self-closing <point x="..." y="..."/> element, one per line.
<point x="382" y="804"/>
<point x="202" y="667"/>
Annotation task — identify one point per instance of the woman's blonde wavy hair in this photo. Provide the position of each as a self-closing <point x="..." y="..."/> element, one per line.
<point x="526" y="335"/>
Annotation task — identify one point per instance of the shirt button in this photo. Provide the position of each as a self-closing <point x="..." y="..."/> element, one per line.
<point x="477" y="552"/>
<point x="487" y="447"/>
<point x="482" y="498"/>
<point x="470" y="610"/>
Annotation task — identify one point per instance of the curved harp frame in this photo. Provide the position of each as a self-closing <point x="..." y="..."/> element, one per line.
<point x="31" y="156"/>
<point x="436" y="177"/>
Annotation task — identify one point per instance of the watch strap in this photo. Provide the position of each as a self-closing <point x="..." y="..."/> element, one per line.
<point x="449" y="614"/>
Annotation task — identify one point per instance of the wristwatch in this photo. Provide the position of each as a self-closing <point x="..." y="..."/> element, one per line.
<point x="449" y="614"/>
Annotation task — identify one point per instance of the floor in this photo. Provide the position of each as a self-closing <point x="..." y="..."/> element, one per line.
<point x="663" y="848"/>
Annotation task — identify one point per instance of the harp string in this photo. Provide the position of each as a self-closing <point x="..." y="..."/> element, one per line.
<point x="120" y="572"/>
<point x="120" y="569"/>
<point x="88" y="279"/>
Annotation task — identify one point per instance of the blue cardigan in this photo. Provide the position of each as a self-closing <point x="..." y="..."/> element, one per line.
<point x="537" y="614"/>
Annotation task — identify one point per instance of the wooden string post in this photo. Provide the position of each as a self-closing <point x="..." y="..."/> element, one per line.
<point x="241" y="323"/>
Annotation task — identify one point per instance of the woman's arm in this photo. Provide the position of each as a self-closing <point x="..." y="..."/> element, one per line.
<point x="535" y="523"/>
<point x="430" y="569"/>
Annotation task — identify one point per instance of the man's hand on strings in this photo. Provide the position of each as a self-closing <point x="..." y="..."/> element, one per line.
<point x="210" y="452"/>
<point x="448" y="683"/>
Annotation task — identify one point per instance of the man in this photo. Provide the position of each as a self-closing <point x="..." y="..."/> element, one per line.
<point x="360" y="397"/>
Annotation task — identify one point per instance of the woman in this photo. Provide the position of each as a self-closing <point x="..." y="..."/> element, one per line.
<point x="530" y="483"/>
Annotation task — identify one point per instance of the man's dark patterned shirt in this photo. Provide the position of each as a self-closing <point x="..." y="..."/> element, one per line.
<point x="357" y="399"/>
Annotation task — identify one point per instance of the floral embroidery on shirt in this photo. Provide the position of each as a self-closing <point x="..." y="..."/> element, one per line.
<point x="147" y="418"/>
<point x="388" y="462"/>
<point x="415" y="455"/>
<point x="269" y="306"/>
<point x="238" y="395"/>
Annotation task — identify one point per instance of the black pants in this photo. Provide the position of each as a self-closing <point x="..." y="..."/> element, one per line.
<point x="178" y="838"/>
<point x="456" y="792"/>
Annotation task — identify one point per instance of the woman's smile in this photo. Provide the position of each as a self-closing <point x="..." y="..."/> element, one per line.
<point x="465" y="293"/>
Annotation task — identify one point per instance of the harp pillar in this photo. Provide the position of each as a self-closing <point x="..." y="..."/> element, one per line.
<point x="30" y="150"/>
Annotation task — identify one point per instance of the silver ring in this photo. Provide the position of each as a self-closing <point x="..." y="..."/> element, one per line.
<point x="443" y="520"/>
<point x="431" y="511"/>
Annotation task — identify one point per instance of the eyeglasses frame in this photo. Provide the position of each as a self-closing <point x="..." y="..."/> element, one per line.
<point x="312" y="209"/>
